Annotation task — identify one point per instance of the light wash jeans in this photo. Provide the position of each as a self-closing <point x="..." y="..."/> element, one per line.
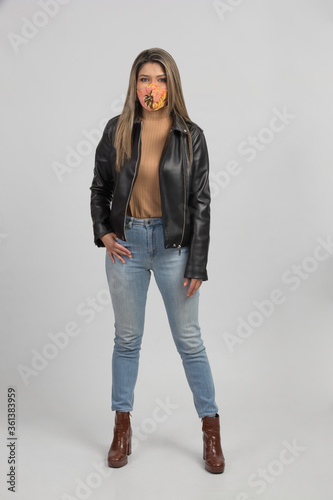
<point x="128" y="284"/>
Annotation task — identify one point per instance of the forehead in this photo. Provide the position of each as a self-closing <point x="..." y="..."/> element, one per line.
<point x="151" y="68"/>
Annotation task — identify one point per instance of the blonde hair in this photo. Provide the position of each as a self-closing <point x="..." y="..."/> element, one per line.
<point x="132" y="106"/>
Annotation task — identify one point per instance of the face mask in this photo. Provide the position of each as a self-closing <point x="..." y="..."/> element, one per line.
<point x="152" y="97"/>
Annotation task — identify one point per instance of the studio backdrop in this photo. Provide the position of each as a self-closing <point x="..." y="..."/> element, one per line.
<point x="257" y="77"/>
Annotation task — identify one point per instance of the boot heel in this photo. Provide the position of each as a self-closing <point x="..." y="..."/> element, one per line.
<point x="129" y="446"/>
<point x="204" y="449"/>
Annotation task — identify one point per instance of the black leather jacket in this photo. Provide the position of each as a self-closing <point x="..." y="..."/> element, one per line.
<point x="185" y="192"/>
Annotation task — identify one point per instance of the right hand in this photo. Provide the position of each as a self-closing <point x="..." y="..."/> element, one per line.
<point x="115" y="248"/>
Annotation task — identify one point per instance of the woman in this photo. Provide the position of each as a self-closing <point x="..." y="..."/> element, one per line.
<point x="150" y="206"/>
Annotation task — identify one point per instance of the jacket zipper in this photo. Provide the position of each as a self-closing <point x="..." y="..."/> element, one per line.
<point x="161" y="163"/>
<point x="134" y="177"/>
<point x="183" y="166"/>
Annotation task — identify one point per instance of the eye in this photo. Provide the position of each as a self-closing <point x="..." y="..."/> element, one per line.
<point x="143" y="79"/>
<point x="163" y="79"/>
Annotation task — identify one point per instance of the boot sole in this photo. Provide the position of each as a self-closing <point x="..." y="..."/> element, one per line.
<point x="214" y="470"/>
<point x="123" y="462"/>
<point x="116" y="465"/>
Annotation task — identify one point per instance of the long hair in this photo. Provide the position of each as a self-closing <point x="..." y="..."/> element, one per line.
<point x="133" y="108"/>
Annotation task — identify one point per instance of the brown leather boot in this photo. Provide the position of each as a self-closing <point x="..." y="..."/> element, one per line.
<point x="212" y="450"/>
<point x="122" y="440"/>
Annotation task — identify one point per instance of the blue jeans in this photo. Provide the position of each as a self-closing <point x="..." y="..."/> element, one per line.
<point x="128" y="284"/>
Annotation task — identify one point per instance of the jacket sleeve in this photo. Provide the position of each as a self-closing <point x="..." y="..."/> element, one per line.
<point x="199" y="208"/>
<point x="102" y="188"/>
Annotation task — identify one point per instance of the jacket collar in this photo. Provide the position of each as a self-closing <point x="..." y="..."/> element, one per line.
<point x="177" y="123"/>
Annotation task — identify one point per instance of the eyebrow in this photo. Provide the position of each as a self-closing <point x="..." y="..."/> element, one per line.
<point x="149" y="75"/>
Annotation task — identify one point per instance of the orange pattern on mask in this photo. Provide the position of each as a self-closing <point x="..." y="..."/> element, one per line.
<point x="152" y="97"/>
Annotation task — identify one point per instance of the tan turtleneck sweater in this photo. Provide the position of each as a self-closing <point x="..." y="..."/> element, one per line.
<point x="145" y="200"/>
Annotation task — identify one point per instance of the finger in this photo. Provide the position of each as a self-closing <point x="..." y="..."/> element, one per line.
<point x="188" y="281"/>
<point x="119" y="257"/>
<point x="115" y="254"/>
<point x="123" y="250"/>
<point x="190" y="291"/>
<point x="195" y="285"/>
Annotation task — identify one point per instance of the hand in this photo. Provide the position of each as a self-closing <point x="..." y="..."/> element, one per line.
<point x="115" y="248"/>
<point x="194" y="285"/>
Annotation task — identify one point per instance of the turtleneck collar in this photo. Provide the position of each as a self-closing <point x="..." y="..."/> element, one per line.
<point x="177" y="124"/>
<point x="160" y="114"/>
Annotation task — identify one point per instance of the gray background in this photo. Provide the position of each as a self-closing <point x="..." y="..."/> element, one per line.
<point x="239" y="61"/>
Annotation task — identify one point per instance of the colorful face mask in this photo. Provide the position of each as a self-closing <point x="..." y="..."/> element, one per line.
<point x="152" y="97"/>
